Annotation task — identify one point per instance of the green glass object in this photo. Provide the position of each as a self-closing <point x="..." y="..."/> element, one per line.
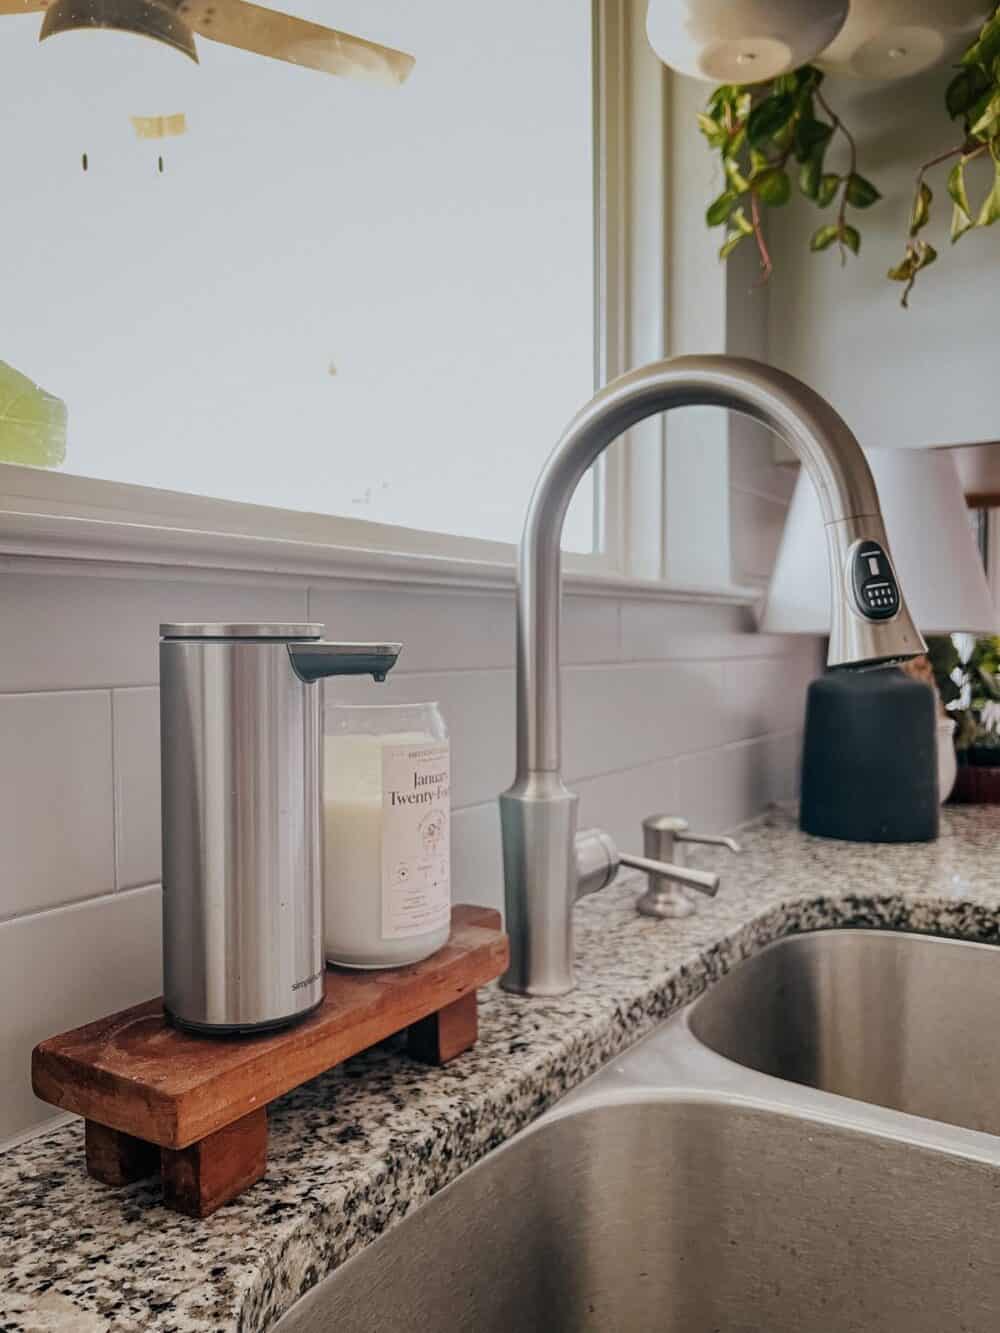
<point x="32" y="422"/>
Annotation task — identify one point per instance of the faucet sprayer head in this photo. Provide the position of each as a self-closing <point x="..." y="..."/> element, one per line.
<point x="870" y="625"/>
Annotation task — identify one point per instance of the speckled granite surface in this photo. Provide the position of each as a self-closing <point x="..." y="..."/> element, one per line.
<point x="355" y="1150"/>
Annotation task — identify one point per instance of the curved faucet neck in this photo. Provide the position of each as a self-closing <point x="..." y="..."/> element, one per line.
<point x="806" y="422"/>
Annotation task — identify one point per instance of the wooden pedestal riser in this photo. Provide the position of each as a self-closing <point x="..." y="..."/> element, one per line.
<point x="194" y="1108"/>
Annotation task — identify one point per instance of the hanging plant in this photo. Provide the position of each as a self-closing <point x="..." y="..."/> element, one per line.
<point x="973" y="99"/>
<point x="764" y="132"/>
<point x="761" y="133"/>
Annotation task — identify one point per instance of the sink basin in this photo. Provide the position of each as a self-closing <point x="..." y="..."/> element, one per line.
<point x="679" y="1191"/>
<point x="904" y="1021"/>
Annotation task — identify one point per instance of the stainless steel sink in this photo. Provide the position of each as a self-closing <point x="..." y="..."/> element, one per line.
<point x="906" y="1021"/>
<point x="677" y="1190"/>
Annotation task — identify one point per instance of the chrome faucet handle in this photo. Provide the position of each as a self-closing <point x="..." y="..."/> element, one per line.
<point x="598" y="859"/>
<point x="705" y="881"/>
<point x="665" y="896"/>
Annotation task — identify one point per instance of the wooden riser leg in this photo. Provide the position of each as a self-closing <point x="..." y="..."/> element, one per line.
<point x="115" y="1158"/>
<point x="440" y="1037"/>
<point x="201" y="1178"/>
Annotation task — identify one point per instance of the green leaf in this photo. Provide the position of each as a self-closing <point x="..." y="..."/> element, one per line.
<point x="984" y="127"/>
<point x="828" y="187"/>
<point x="990" y="211"/>
<point x="769" y="117"/>
<point x="957" y="188"/>
<point x="961" y="222"/>
<point x="926" y="254"/>
<point x="731" y="242"/>
<point x="738" y="183"/>
<point x="986" y="49"/>
<point x="824" y="237"/>
<point x="810" y="177"/>
<point x="851" y="237"/>
<point x="741" y="223"/>
<point x="716" y="134"/>
<point x="988" y="684"/>
<point x="861" y="193"/>
<point x="725" y="95"/>
<point x="774" y="188"/>
<point x="965" y="89"/>
<point x="718" y="211"/>
<point x="921" y="208"/>
<point x="735" y="142"/>
<point x="811" y="134"/>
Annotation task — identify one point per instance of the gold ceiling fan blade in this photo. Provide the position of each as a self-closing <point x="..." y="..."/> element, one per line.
<point x="268" y="32"/>
<point x="23" y="6"/>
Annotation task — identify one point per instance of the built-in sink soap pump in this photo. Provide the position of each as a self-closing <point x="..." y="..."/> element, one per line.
<point x="242" y="767"/>
<point x="547" y="864"/>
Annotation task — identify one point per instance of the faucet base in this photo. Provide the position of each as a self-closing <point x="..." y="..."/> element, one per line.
<point x="538" y="826"/>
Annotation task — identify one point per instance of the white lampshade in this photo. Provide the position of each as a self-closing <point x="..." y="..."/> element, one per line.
<point x="741" y="41"/>
<point x="892" y="39"/>
<point x="931" y="542"/>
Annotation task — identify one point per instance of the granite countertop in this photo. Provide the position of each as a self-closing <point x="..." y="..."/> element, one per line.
<point x="352" y="1152"/>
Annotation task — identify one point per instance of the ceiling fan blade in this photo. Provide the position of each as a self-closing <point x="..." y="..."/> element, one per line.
<point x="268" y="32"/>
<point x="23" y="6"/>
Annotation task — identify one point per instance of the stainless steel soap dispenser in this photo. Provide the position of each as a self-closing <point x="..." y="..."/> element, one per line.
<point x="242" y="789"/>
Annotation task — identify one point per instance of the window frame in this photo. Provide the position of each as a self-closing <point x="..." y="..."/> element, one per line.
<point x="58" y="514"/>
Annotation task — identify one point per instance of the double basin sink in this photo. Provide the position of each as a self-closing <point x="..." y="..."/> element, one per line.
<point x="810" y="1147"/>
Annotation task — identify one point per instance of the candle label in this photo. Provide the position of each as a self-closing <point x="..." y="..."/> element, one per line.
<point x="416" y="839"/>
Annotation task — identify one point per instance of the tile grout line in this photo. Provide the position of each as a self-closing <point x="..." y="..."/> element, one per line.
<point x="115" y="792"/>
<point x="72" y="903"/>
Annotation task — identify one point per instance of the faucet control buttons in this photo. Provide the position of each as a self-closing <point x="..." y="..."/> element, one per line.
<point x="873" y="583"/>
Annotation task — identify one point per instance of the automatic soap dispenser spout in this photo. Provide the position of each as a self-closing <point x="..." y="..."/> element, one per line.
<point x="313" y="660"/>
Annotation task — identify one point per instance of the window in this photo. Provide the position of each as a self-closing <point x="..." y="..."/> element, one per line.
<point x="335" y="297"/>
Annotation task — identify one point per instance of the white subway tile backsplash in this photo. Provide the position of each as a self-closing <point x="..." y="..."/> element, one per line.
<point x="764" y="695"/>
<point x="480" y="626"/>
<point x="591" y="630"/>
<point x="56" y="807"/>
<point x="719" y="789"/>
<point x="62" y="968"/>
<point x="652" y="632"/>
<point x="137" y="785"/>
<point x="73" y="631"/>
<point x="476" y="856"/>
<point x="619" y="802"/>
<point x="620" y="717"/>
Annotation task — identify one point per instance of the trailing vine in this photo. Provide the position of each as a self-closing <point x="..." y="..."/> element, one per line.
<point x="972" y="98"/>
<point x="764" y="131"/>
<point x="758" y="132"/>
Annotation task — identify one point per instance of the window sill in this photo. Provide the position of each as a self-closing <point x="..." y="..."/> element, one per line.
<point x="53" y="516"/>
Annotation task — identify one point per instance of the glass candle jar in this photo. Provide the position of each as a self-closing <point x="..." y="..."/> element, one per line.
<point x="387" y="857"/>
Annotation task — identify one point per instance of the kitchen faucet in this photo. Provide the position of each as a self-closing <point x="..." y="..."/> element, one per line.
<point x="547" y="864"/>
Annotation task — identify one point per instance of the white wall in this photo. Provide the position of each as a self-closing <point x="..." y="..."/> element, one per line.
<point x="667" y="707"/>
<point x="899" y="378"/>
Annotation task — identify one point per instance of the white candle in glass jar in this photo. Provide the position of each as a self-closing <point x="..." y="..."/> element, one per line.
<point x="387" y="863"/>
